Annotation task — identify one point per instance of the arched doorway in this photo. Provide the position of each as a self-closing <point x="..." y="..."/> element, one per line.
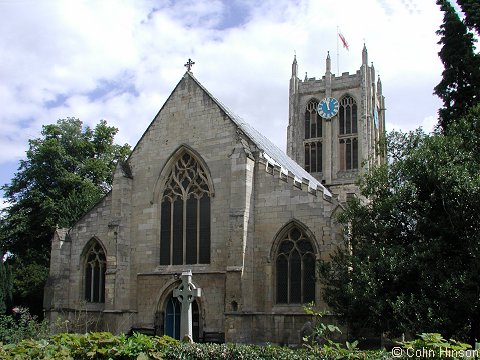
<point x="171" y="318"/>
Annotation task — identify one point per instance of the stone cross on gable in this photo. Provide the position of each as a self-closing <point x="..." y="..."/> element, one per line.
<point x="189" y="64"/>
<point x="186" y="294"/>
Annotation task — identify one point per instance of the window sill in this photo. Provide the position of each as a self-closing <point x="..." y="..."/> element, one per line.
<point x="90" y="306"/>
<point x="348" y="174"/>
<point x="289" y="308"/>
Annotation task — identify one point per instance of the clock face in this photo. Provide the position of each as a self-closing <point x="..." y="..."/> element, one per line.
<point x="328" y="108"/>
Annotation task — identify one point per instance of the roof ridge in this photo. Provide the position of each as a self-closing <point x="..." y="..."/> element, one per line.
<point x="271" y="152"/>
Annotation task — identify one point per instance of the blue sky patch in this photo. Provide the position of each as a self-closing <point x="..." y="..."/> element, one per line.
<point x="236" y="14"/>
<point x="58" y="101"/>
<point x="112" y="88"/>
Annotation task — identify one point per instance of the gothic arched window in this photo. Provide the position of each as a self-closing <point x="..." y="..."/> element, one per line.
<point x="95" y="267"/>
<point x="347" y="132"/>
<point x="313" y="135"/>
<point x="295" y="269"/>
<point x="185" y="215"/>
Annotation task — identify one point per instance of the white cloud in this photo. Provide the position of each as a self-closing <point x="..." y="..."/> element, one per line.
<point x="61" y="58"/>
<point x="429" y="123"/>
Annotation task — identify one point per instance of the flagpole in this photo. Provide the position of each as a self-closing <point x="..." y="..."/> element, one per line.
<point x="338" y="55"/>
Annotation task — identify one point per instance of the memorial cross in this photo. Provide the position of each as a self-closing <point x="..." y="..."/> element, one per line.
<point x="186" y="294"/>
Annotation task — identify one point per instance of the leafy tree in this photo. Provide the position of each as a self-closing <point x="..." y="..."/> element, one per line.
<point x="459" y="88"/>
<point x="471" y="9"/>
<point x="66" y="171"/>
<point x="5" y="286"/>
<point x="412" y="260"/>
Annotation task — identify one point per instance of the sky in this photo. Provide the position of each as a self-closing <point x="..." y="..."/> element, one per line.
<point x="119" y="60"/>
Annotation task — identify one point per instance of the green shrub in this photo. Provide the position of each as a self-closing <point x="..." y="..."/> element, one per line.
<point x="21" y="325"/>
<point x="434" y="346"/>
<point x="235" y="351"/>
<point x="99" y="345"/>
<point x="103" y="345"/>
<point x="322" y="332"/>
<point x="320" y="342"/>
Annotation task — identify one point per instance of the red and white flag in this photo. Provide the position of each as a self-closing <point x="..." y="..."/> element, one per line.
<point x="344" y="41"/>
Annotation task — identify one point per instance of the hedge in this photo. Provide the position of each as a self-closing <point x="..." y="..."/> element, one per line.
<point x="104" y="345"/>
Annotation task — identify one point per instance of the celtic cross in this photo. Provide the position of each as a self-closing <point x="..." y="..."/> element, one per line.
<point x="186" y="294"/>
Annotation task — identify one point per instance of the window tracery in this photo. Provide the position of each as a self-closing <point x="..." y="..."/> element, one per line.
<point x="185" y="214"/>
<point x="95" y="268"/>
<point x="313" y="138"/>
<point x="295" y="269"/>
<point x="348" y="134"/>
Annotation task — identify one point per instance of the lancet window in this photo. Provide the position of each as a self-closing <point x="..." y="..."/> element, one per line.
<point x="185" y="214"/>
<point x="348" y="134"/>
<point x="313" y="138"/>
<point x="295" y="269"/>
<point x="95" y="268"/>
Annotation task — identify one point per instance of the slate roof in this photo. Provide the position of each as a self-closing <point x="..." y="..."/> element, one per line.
<point x="269" y="150"/>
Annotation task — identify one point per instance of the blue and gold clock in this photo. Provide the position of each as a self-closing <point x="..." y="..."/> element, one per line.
<point x="328" y="107"/>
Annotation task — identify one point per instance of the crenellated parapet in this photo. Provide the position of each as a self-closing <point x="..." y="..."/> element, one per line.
<point x="338" y="148"/>
<point x="280" y="173"/>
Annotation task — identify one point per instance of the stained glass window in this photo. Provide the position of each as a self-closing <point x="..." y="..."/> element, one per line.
<point x="295" y="269"/>
<point x="348" y="137"/>
<point x="313" y="137"/>
<point x="95" y="267"/>
<point x="185" y="215"/>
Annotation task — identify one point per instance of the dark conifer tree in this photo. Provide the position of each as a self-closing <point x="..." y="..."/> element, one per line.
<point x="459" y="88"/>
<point x="5" y="286"/>
<point x="471" y="9"/>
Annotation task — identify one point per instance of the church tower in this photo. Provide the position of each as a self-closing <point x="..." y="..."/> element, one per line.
<point x="336" y="124"/>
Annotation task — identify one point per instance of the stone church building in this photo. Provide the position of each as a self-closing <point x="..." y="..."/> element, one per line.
<point x="204" y="191"/>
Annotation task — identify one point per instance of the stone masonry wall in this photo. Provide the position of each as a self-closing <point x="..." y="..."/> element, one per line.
<point x="250" y="204"/>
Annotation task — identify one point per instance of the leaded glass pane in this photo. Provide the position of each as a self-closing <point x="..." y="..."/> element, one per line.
<point x="191" y="231"/>
<point x="348" y="120"/>
<point x="282" y="279"/>
<point x="307" y="124"/>
<point x="342" y="120"/>
<point x="96" y="281"/>
<point x="313" y="130"/>
<point x="348" y="152"/>
<point x="204" y="230"/>
<point x="295" y="278"/>
<point x="355" y="153"/>
<point x="354" y="118"/>
<point x="185" y="233"/>
<point x="88" y="282"/>
<point x="95" y="267"/>
<point x="295" y="269"/>
<point x="314" y="126"/>
<point x="102" y="284"/>
<point x="348" y="127"/>
<point x="295" y="234"/>
<point x="308" y="278"/>
<point x="307" y="157"/>
<point x="342" y="154"/>
<point x="304" y="246"/>
<point x="286" y="246"/>
<point x="313" y="122"/>
<point x="313" y="158"/>
<point x="177" y="229"/>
